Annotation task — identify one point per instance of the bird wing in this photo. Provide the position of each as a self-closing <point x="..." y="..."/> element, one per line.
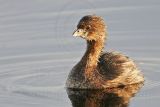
<point x="114" y="64"/>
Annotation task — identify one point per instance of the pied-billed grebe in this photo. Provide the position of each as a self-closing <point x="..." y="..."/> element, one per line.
<point x="96" y="69"/>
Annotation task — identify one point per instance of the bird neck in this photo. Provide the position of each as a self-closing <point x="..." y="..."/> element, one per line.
<point x="93" y="52"/>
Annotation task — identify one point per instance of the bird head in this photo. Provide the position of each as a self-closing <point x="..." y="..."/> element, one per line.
<point x="90" y="27"/>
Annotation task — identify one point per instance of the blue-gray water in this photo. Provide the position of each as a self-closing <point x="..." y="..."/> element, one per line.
<point x="37" y="50"/>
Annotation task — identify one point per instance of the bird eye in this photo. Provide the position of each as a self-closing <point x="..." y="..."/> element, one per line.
<point x="80" y="30"/>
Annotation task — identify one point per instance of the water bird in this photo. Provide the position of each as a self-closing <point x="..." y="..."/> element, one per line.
<point x="98" y="69"/>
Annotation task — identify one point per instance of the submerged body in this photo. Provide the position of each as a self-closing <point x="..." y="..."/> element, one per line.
<point x="97" y="69"/>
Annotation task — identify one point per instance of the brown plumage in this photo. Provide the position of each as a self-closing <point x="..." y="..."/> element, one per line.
<point x="96" y="69"/>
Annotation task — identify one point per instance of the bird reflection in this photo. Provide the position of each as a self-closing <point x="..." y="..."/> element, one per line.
<point x="115" y="97"/>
